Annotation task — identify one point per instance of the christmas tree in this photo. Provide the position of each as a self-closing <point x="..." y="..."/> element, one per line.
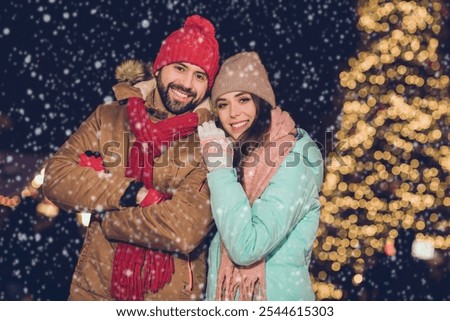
<point x="389" y="171"/>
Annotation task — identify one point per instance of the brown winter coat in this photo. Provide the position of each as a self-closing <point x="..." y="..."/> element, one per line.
<point x="179" y="225"/>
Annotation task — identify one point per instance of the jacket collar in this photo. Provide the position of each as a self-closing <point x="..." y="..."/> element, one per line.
<point x="145" y="90"/>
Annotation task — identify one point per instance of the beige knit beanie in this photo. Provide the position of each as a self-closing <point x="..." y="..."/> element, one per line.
<point x="243" y="72"/>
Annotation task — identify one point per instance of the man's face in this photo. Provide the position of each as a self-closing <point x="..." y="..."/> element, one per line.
<point x="182" y="86"/>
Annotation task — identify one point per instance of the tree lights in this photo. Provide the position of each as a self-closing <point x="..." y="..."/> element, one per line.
<point x="391" y="171"/>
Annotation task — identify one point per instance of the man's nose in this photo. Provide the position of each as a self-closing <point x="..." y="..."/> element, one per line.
<point x="186" y="81"/>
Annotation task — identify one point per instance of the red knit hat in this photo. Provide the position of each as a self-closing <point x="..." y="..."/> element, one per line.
<point x="195" y="43"/>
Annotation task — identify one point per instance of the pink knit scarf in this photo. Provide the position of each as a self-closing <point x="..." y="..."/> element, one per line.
<point x="250" y="281"/>
<point x="137" y="270"/>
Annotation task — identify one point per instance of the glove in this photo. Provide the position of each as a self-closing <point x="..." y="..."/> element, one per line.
<point x="92" y="159"/>
<point x="95" y="161"/>
<point x="154" y="197"/>
<point x="217" y="150"/>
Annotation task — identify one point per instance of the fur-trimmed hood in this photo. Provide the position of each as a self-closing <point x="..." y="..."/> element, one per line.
<point x="135" y="79"/>
<point x="133" y="71"/>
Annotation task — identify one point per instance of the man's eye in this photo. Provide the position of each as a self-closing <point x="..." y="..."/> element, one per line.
<point x="179" y="68"/>
<point x="201" y="77"/>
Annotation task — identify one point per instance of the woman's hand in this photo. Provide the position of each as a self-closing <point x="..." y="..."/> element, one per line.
<point x="217" y="150"/>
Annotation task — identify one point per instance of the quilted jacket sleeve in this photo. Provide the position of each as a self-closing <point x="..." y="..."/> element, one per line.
<point x="77" y="188"/>
<point x="176" y="225"/>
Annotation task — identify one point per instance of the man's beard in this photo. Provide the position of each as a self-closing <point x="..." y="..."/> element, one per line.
<point x="173" y="106"/>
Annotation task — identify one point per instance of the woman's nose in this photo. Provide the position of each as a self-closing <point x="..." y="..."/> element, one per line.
<point x="234" y="110"/>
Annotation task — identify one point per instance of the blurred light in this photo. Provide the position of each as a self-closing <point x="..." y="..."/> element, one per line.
<point x="423" y="249"/>
<point x="47" y="209"/>
<point x="84" y="218"/>
<point x="9" y="201"/>
<point x="357" y="279"/>
<point x="389" y="247"/>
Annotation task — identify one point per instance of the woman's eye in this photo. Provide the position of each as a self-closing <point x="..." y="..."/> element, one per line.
<point x="244" y="100"/>
<point x="221" y="105"/>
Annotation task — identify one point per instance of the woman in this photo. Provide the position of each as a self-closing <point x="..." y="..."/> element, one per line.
<point x="264" y="194"/>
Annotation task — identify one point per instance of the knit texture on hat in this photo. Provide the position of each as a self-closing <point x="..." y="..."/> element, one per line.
<point x="243" y="72"/>
<point x="195" y="43"/>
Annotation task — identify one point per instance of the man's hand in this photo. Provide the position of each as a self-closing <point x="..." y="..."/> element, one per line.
<point x="93" y="160"/>
<point x="217" y="150"/>
<point x="146" y="197"/>
<point x="204" y="112"/>
<point x="141" y="194"/>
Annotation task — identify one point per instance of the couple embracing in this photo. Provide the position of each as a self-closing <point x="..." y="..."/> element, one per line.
<point x="216" y="192"/>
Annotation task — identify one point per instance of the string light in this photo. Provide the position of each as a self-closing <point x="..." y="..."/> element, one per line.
<point x="9" y="201"/>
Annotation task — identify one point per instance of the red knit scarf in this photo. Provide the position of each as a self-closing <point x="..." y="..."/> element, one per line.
<point x="137" y="270"/>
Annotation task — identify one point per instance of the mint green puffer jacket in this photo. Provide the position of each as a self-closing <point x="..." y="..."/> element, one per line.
<point x="280" y="226"/>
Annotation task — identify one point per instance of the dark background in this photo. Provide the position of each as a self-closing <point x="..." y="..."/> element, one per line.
<point x="57" y="64"/>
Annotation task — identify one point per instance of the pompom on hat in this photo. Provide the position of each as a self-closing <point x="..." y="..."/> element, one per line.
<point x="194" y="43"/>
<point x="243" y="72"/>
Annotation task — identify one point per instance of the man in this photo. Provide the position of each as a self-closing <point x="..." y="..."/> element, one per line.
<point x="135" y="164"/>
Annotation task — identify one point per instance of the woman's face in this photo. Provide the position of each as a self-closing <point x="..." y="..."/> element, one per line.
<point x="236" y="111"/>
